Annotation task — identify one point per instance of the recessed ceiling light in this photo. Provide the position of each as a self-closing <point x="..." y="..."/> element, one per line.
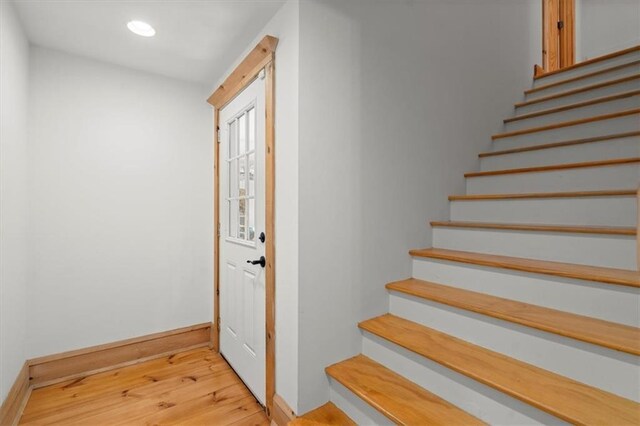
<point x="141" y="28"/>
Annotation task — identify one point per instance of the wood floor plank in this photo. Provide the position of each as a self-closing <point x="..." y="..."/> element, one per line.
<point x="399" y="399"/>
<point x="567" y="399"/>
<point x="608" y="334"/>
<point x="197" y="384"/>
<point x="327" y="414"/>
<point x="567" y="270"/>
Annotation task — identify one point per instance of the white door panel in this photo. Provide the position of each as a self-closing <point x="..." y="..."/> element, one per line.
<point x="242" y="220"/>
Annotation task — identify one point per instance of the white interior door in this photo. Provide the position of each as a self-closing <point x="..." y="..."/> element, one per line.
<point x="242" y="214"/>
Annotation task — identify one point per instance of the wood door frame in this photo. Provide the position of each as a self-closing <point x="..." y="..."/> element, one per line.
<point x="261" y="57"/>
<point x="558" y="44"/>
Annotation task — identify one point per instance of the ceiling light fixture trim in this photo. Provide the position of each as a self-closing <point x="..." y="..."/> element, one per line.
<point x="141" y="28"/>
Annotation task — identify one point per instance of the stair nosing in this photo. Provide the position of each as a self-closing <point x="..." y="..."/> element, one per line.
<point x="595" y="60"/>
<point x="537" y="195"/>
<point x="561" y="144"/>
<point x="603" y="275"/>
<point x="364" y="396"/>
<point x="564" y="124"/>
<point x="409" y="335"/>
<point x="576" y="105"/>
<point x="577" y="90"/>
<point x="494" y="310"/>
<point x="567" y="229"/>
<point x="551" y="168"/>
<point x="582" y="77"/>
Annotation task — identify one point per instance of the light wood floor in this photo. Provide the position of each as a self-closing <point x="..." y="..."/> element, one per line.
<point x="196" y="387"/>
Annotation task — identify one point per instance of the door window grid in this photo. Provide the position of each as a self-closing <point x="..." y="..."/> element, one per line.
<point x="241" y="176"/>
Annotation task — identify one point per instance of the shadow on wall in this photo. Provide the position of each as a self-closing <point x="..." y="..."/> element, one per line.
<point x="396" y="101"/>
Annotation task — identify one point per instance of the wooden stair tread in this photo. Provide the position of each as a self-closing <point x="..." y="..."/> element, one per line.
<point x="327" y="414"/>
<point x="399" y="399"/>
<point x="533" y="195"/>
<point x="570" y="123"/>
<point x="567" y="270"/>
<point x="581" y="104"/>
<point x="559" y="144"/>
<point x="582" y="77"/>
<point x="611" y="335"/>
<point x="589" y="62"/>
<point x="605" y="230"/>
<point x="565" y="166"/>
<point x="562" y="397"/>
<point x="578" y="90"/>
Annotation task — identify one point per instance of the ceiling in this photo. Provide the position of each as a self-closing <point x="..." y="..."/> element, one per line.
<point x="196" y="40"/>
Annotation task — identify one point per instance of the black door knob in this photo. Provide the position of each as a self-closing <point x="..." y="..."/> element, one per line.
<point x="262" y="261"/>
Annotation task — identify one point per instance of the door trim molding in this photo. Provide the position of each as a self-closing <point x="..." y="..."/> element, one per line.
<point x="558" y="43"/>
<point x="261" y="57"/>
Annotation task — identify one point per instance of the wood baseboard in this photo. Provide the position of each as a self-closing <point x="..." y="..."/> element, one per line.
<point x="282" y="414"/>
<point x="51" y="369"/>
<point x="16" y="399"/>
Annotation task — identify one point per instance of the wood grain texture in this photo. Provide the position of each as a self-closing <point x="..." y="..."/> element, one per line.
<point x="567" y="270"/>
<point x="261" y="57"/>
<point x="245" y="72"/>
<point x="581" y="77"/>
<point x="586" y="164"/>
<point x="602" y="117"/>
<point x="534" y="195"/>
<point x="567" y="33"/>
<point x="590" y="61"/>
<point x="397" y="398"/>
<point x="601" y="230"/>
<point x="607" y="334"/>
<point x="579" y="90"/>
<point x="15" y="401"/>
<point x="567" y="399"/>
<point x="560" y="144"/>
<point x="270" y="231"/>
<point x="193" y="387"/>
<point x="48" y="369"/>
<point x="327" y="414"/>
<point x="281" y="414"/>
<point x="575" y="105"/>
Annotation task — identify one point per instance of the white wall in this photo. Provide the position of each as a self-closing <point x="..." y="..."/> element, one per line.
<point x="604" y="26"/>
<point x="285" y="26"/>
<point x="14" y="72"/>
<point x="397" y="98"/>
<point x="121" y="199"/>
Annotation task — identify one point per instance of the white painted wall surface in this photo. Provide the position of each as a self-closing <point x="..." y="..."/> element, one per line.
<point x="121" y="229"/>
<point x="285" y="26"/>
<point x="397" y="98"/>
<point x="604" y="26"/>
<point x="14" y="87"/>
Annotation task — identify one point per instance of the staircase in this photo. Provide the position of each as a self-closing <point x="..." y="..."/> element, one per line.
<point x="526" y="310"/>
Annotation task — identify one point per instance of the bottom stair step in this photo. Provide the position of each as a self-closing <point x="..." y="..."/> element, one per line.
<point x="399" y="399"/>
<point x="559" y="396"/>
<point x="327" y="414"/>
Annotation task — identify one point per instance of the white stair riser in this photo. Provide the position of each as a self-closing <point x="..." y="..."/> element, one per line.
<point x="629" y="123"/>
<point x="627" y="103"/>
<point x="580" y="179"/>
<point x="354" y="407"/>
<point x="600" y="78"/>
<point x="591" y="211"/>
<point x="609" y="251"/>
<point x="626" y="86"/>
<point x="592" y="151"/>
<point x="479" y="400"/>
<point x="609" y="302"/>
<point x="606" y="369"/>
<point x="587" y="69"/>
